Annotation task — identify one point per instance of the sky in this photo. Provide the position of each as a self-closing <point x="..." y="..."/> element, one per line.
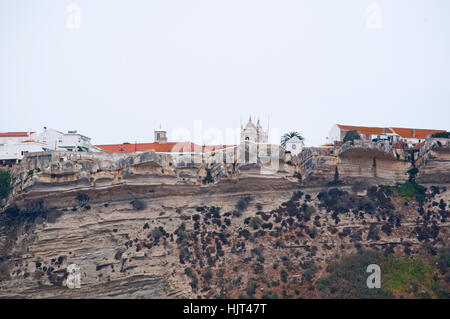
<point x="117" y="70"/>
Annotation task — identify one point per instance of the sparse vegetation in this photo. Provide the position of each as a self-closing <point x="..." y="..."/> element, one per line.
<point x="243" y="203"/>
<point x="351" y="136"/>
<point x="138" y="204"/>
<point x="5" y="184"/>
<point x="441" y="135"/>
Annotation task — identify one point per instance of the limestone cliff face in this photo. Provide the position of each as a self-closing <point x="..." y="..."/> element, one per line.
<point x="353" y="162"/>
<point x="434" y="162"/>
<point x="153" y="226"/>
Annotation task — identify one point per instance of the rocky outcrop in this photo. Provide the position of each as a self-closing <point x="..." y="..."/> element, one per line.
<point x="434" y="161"/>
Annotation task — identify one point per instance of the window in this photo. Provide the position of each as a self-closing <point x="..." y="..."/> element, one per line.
<point x="294" y="146"/>
<point x="158" y="136"/>
<point x="247" y="138"/>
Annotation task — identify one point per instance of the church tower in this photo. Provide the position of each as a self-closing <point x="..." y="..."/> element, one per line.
<point x="253" y="133"/>
<point x="160" y="136"/>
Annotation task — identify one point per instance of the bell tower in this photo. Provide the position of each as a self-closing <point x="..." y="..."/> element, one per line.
<point x="160" y="135"/>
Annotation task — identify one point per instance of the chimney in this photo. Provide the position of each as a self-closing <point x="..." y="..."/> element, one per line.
<point x="414" y="132"/>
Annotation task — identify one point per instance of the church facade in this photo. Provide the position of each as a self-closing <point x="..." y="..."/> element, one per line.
<point x="253" y="133"/>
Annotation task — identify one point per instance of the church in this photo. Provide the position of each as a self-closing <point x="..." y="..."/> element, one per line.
<point x="253" y="133"/>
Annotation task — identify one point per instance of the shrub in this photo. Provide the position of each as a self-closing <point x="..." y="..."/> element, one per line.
<point x="283" y="275"/>
<point x="258" y="268"/>
<point x="255" y="222"/>
<point x="409" y="189"/>
<point x="251" y="288"/>
<point x="82" y="199"/>
<point x="207" y="275"/>
<point x="245" y="233"/>
<point x="373" y="233"/>
<point x="348" y="276"/>
<point x="190" y="273"/>
<point x="243" y="202"/>
<point x="5" y="184"/>
<point x="208" y="178"/>
<point x="267" y="226"/>
<point x="441" y="135"/>
<point x="138" y="204"/>
<point x="351" y="136"/>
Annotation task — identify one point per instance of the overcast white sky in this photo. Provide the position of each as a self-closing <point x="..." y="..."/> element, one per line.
<point x="132" y="65"/>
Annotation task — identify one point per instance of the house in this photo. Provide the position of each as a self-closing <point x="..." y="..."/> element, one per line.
<point x="393" y="135"/>
<point x="14" y="137"/>
<point x="70" y="141"/>
<point x="253" y="133"/>
<point x="13" y="145"/>
<point x="160" y="145"/>
<point x="11" y="153"/>
<point x="294" y="145"/>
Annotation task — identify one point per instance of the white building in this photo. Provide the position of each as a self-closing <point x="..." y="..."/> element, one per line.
<point x="253" y="133"/>
<point x="13" y="145"/>
<point x="70" y="141"/>
<point x="294" y="145"/>
<point x="14" y="137"/>
<point x="394" y="135"/>
<point x="11" y="153"/>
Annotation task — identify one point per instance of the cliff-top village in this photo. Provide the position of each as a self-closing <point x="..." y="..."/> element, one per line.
<point x="14" y="145"/>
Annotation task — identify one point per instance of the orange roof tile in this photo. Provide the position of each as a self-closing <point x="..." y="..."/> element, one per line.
<point x="419" y="133"/>
<point x="364" y="129"/>
<point x="403" y="132"/>
<point x="15" y="134"/>
<point x="159" y="147"/>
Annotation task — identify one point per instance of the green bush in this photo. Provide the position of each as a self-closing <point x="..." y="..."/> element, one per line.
<point x="5" y="184"/>
<point x="194" y="280"/>
<point x="138" y="204"/>
<point x="441" y="135"/>
<point x="207" y="275"/>
<point x="410" y="189"/>
<point x="243" y="202"/>
<point x="351" y="136"/>
<point x="283" y="275"/>
<point x="348" y="276"/>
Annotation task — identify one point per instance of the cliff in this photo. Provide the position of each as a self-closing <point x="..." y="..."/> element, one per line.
<point x="155" y="225"/>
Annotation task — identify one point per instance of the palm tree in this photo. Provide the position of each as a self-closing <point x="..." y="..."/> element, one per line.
<point x="286" y="137"/>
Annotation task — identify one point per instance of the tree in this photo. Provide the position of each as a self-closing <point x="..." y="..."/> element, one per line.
<point x="441" y="135"/>
<point x="5" y="184"/>
<point x="351" y="136"/>
<point x="286" y="137"/>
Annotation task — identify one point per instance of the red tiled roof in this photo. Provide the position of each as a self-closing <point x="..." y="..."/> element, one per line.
<point x="15" y="134"/>
<point x="160" y="147"/>
<point x="403" y="132"/>
<point x="419" y="133"/>
<point x="364" y="129"/>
